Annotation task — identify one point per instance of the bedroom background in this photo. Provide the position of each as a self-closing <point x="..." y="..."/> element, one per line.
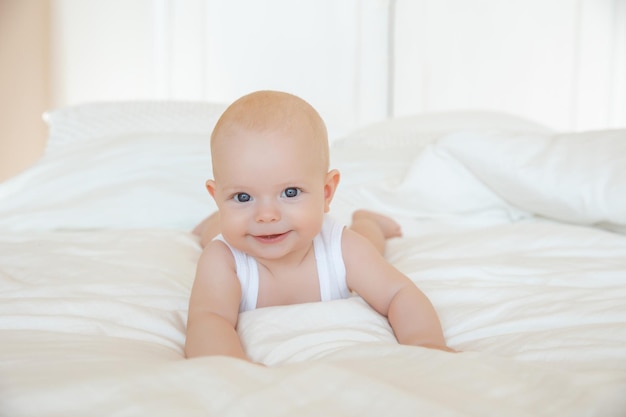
<point x="559" y="62"/>
<point x="513" y="217"/>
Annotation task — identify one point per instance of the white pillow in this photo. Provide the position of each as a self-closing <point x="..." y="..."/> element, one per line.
<point x="84" y="122"/>
<point x="396" y="167"/>
<point x="117" y="165"/>
<point x="390" y="147"/>
<point x="424" y="127"/>
<point x="573" y="177"/>
<point x="133" y="181"/>
<point x="438" y="186"/>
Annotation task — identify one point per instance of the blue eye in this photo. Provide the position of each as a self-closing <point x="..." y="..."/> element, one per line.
<point x="242" y="197"/>
<point x="291" y="192"/>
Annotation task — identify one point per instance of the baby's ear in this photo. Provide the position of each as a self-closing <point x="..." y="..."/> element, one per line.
<point x="330" y="186"/>
<point x="210" y="186"/>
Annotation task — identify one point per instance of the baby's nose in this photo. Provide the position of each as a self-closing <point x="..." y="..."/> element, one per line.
<point x="267" y="212"/>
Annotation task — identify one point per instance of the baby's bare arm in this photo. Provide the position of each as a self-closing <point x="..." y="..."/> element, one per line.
<point x="211" y="334"/>
<point x="414" y="319"/>
<point x="214" y="306"/>
<point x="410" y="313"/>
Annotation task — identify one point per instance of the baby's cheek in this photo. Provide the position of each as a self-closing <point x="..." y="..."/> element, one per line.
<point x="232" y="222"/>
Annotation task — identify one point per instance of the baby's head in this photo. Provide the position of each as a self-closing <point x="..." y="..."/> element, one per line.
<point x="267" y="112"/>
<point x="270" y="170"/>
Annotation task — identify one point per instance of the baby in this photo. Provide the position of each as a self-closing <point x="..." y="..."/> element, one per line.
<point x="271" y="242"/>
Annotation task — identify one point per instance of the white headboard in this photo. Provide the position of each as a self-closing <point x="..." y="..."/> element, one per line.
<point x="559" y="62"/>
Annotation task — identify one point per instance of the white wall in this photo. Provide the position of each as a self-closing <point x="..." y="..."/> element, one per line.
<point x="103" y="50"/>
<point x="560" y="62"/>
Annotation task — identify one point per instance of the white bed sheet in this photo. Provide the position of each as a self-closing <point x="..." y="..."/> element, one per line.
<point x="99" y="330"/>
<point x="93" y="306"/>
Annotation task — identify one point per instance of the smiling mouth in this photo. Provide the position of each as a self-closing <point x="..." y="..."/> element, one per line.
<point x="271" y="238"/>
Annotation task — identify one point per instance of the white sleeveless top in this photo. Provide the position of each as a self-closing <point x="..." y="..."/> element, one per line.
<point x="331" y="269"/>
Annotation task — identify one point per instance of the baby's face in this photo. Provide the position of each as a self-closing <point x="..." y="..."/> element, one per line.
<point x="271" y="189"/>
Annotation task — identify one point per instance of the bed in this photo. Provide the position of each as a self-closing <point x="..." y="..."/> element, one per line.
<point x="515" y="232"/>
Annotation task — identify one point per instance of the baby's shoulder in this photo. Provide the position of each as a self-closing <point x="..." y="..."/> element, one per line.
<point x="215" y="253"/>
